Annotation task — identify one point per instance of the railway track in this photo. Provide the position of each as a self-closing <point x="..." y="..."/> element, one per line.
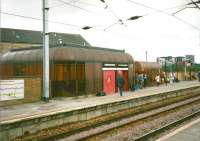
<point x="152" y="134"/>
<point x="92" y="130"/>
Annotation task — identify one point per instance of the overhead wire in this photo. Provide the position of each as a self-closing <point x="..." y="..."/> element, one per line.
<point x="120" y="21"/>
<point x="77" y="26"/>
<point x="38" y="19"/>
<point x="147" y="14"/>
<point x="161" y="11"/>
<point x="89" y="4"/>
<point x="195" y="4"/>
<point x="65" y="24"/>
<point x="69" y="4"/>
<point x="179" y="10"/>
<point x="105" y="29"/>
<point x="188" y="5"/>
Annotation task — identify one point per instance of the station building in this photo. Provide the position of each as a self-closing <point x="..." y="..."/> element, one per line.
<point x="76" y="68"/>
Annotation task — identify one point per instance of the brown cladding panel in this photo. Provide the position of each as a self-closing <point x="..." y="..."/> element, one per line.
<point x="60" y="72"/>
<point x="131" y="75"/>
<point x="98" y="84"/>
<point x="89" y="77"/>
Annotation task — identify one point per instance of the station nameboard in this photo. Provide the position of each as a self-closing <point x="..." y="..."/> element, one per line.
<point x="11" y="89"/>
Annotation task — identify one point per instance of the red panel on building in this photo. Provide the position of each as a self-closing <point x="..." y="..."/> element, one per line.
<point x="125" y="78"/>
<point x="109" y="81"/>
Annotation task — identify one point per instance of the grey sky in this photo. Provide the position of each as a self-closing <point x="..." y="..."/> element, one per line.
<point x="157" y="32"/>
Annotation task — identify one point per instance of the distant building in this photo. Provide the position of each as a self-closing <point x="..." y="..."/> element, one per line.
<point x="190" y="58"/>
<point x="179" y="59"/>
<point x="176" y="60"/>
<point x="167" y="59"/>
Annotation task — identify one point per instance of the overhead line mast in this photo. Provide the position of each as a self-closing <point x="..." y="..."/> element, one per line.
<point x="45" y="10"/>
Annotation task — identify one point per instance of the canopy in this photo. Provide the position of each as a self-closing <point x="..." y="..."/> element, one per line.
<point x="91" y="54"/>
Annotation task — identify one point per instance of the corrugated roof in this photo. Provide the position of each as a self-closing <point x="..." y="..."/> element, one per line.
<point x="35" y="37"/>
<point x="69" y="54"/>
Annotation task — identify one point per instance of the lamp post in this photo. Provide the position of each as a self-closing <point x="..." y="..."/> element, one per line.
<point x="146" y="55"/>
<point x="185" y="69"/>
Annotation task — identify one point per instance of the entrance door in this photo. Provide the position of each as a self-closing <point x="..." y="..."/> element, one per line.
<point x="109" y="81"/>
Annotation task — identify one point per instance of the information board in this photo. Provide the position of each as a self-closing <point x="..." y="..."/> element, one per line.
<point x="11" y="89"/>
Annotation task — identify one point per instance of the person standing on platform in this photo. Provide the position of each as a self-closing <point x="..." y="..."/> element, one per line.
<point x="145" y="80"/>
<point x="198" y="75"/>
<point x="165" y="79"/>
<point x="157" y="78"/>
<point x="120" y="84"/>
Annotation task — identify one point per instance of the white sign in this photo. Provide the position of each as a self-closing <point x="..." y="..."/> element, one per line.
<point x="11" y="89"/>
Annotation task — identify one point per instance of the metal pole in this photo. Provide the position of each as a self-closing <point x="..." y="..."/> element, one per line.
<point x="0" y="38"/>
<point x="146" y="56"/>
<point x="185" y="70"/>
<point x="0" y="20"/>
<point x="45" y="52"/>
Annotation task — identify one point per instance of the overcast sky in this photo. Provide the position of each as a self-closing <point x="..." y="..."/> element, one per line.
<point x="158" y="33"/>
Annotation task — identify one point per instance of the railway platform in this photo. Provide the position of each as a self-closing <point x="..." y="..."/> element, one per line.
<point x="189" y="132"/>
<point x="20" y="119"/>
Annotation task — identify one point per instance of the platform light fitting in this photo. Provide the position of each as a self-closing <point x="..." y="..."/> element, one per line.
<point x="86" y="27"/>
<point x="134" y="17"/>
<point x="103" y="1"/>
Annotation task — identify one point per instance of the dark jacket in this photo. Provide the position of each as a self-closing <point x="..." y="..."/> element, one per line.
<point x="120" y="82"/>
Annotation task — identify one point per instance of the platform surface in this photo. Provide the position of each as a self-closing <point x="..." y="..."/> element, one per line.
<point x="23" y="111"/>
<point x="189" y="132"/>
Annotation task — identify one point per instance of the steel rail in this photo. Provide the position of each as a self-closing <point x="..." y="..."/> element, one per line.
<point x="166" y="127"/>
<point x="120" y="125"/>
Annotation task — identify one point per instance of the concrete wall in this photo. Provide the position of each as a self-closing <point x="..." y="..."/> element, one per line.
<point x="12" y="129"/>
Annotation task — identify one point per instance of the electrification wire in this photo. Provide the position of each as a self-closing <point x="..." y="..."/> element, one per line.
<point x="65" y="24"/>
<point x="74" y="1"/>
<point x="62" y="4"/>
<point x="69" y="4"/>
<point x="78" y="2"/>
<point x="195" y="4"/>
<point x="78" y="27"/>
<point x="119" y="20"/>
<point x="166" y="9"/>
<point x="188" y="6"/>
<point x="38" y="19"/>
<point x="58" y="5"/>
<point x="179" y="10"/>
<point x="161" y="11"/>
<point x="89" y="4"/>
